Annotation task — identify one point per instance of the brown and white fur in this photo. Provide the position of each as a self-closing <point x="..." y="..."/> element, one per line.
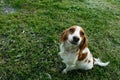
<point x="75" y="52"/>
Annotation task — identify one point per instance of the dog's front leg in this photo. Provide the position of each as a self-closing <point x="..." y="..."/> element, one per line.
<point x="68" y="68"/>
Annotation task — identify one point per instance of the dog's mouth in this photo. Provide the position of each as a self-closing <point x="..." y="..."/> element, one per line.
<point x="74" y="43"/>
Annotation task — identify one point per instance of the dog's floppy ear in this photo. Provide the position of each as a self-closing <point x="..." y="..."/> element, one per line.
<point x="84" y="43"/>
<point x="64" y="36"/>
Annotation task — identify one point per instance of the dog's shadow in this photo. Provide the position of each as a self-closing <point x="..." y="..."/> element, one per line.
<point x="81" y="72"/>
<point x="78" y="71"/>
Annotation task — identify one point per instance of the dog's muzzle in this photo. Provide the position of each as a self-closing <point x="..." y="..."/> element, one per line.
<point x="75" y="40"/>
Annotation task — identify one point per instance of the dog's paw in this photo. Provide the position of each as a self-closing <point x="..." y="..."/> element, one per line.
<point x="64" y="71"/>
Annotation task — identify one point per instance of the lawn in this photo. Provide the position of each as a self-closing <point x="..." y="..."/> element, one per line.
<point x="30" y="32"/>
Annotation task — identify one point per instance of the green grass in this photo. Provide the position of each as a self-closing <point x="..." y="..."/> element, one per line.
<point x="29" y="38"/>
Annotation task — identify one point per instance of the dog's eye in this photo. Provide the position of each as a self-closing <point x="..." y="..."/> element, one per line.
<point x="81" y="33"/>
<point x="72" y="30"/>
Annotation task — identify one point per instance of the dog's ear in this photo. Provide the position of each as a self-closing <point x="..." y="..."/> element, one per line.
<point x="64" y="36"/>
<point x="84" y="43"/>
<point x="82" y="46"/>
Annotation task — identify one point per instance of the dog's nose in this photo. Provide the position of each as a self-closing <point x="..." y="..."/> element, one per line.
<point x="75" y="38"/>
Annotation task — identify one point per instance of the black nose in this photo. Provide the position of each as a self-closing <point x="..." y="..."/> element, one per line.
<point x="75" y="39"/>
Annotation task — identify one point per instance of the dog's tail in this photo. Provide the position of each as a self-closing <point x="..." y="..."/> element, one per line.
<point x="97" y="61"/>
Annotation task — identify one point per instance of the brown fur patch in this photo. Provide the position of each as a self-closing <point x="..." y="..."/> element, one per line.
<point x="72" y="30"/>
<point x="82" y="57"/>
<point x="88" y="61"/>
<point x="64" y="36"/>
<point x="81" y="32"/>
<point x="84" y="43"/>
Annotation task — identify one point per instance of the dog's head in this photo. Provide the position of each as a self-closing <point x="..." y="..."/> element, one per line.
<point x="75" y="35"/>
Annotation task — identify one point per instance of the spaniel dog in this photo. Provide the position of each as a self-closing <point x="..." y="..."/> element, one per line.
<point x="75" y="52"/>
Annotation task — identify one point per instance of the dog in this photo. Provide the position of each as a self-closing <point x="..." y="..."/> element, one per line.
<point x="74" y="50"/>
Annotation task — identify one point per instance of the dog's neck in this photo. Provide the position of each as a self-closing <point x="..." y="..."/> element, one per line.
<point x="70" y="47"/>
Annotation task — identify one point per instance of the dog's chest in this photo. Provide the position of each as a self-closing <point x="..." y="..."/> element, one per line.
<point x="69" y="56"/>
<point x="68" y="53"/>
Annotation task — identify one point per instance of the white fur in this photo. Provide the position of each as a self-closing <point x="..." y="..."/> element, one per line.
<point x="68" y="53"/>
<point x="100" y="63"/>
